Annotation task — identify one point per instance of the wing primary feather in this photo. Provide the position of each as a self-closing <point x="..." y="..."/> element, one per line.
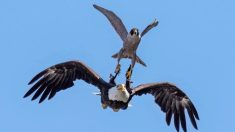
<point x="114" y="20"/>
<point x="35" y="87"/>
<point x="149" y="27"/>
<point x="191" y="117"/>
<point x="39" y="91"/>
<point x="176" y="120"/>
<point x="55" y="87"/>
<point x="172" y="101"/>
<point x="52" y="79"/>
<point x="45" y="94"/>
<point x="39" y="75"/>
<point x="194" y="110"/>
<point x="62" y="76"/>
<point x="168" y="116"/>
<point x="182" y="118"/>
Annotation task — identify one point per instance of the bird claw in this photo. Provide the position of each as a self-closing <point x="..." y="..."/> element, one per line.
<point x="116" y="110"/>
<point x="111" y="76"/>
<point x="104" y="106"/>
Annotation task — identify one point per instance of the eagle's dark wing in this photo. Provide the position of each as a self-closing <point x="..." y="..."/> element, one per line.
<point x="172" y="101"/>
<point x="60" y="77"/>
<point x="115" y="21"/>
<point x="149" y="27"/>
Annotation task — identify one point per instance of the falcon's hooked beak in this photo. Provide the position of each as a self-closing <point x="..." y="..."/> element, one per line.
<point x="121" y="87"/>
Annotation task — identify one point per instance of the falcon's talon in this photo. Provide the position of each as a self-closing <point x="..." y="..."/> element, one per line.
<point x="111" y="76"/>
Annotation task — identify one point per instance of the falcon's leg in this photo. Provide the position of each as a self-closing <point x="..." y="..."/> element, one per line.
<point x="119" y="57"/>
<point x="133" y="60"/>
<point x="128" y="79"/>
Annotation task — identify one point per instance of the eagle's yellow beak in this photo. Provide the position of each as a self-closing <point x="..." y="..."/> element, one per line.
<point x="121" y="88"/>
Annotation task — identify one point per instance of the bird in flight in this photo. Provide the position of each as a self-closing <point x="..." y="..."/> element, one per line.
<point x="130" y="40"/>
<point x="172" y="101"/>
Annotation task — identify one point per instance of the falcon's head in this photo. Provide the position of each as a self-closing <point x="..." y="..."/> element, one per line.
<point x="134" y="31"/>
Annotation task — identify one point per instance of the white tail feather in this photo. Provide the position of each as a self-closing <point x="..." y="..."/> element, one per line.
<point x="96" y="93"/>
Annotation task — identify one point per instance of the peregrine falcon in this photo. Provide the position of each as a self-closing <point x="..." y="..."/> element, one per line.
<point x="130" y="40"/>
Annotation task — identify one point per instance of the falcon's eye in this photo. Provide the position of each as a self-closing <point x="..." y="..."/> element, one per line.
<point x="132" y="32"/>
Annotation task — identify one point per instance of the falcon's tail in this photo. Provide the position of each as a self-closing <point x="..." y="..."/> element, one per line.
<point x="137" y="59"/>
<point x="115" y="55"/>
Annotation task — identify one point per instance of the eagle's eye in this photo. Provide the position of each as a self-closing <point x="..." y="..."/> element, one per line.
<point x="121" y="87"/>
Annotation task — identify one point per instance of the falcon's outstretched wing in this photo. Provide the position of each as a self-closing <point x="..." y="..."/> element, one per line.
<point x="115" y="21"/>
<point x="60" y="77"/>
<point x="172" y="101"/>
<point x="149" y="27"/>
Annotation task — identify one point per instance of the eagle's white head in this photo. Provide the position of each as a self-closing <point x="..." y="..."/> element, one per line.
<point x="119" y="93"/>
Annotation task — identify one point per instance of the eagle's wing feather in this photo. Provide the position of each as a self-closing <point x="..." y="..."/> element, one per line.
<point x="115" y="21"/>
<point x="62" y="76"/>
<point x="149" y="27"/>
<point x="172" y="101"/>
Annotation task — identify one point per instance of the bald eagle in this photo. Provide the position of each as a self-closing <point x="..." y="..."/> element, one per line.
<point x="61" y="76"/>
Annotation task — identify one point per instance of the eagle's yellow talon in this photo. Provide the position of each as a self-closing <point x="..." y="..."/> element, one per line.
<point x="116" y="110"/>
<point x="104" y="106"/>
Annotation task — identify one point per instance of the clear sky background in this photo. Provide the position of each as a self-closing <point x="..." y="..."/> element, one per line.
<point x="192" y="47"/>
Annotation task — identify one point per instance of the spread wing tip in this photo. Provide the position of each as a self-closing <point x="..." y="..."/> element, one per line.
<point x="35" y="78"/>
<point x="155" y="22"/>
<point x="26" y="95"/>
<point x="96" y="6"/>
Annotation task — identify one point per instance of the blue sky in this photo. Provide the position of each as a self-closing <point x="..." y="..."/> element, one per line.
<point x="192" y="47"/>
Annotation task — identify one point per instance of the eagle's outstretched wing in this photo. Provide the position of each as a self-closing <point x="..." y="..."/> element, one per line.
<point x="172" y="101"/>
<point x="60" y="77"/>
<point x="149" y="27"/>
<point x="115" y="21"/>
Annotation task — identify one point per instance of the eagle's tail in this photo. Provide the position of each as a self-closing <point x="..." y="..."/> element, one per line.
<point x="96" y="93"/>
